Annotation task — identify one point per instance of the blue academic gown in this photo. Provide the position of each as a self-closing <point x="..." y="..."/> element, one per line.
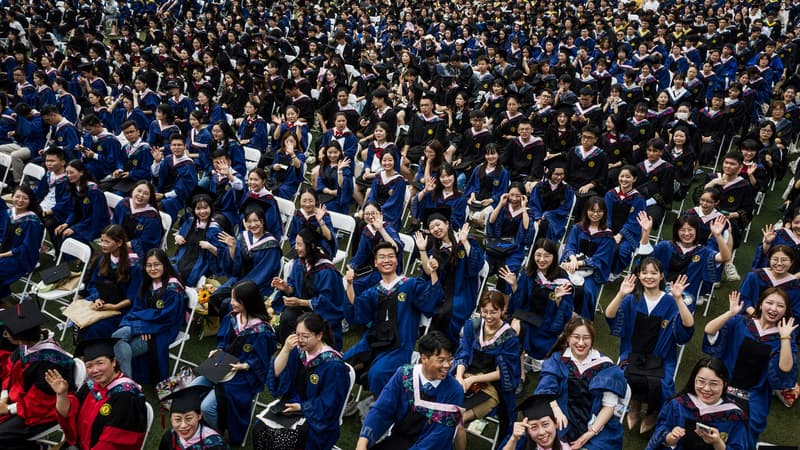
<point x="783" y="236"/>
<point x="725" y="417"/>
<point x="24" y="234"/>
<point x="258" y="261"/>
<point x="287" y="180"/>
<point x="64" y="134"/>
<point x="578" y="241"/>
<point x="203" y="261"/>
<point x="108" y="154"/>
<point x="756" y="281"/>
<point x="322" y="397"/>
<point x="671" y="334"/>
<point x="137" y="160"/>
<point x="161" y="314"/>
<point x="323" y="287"/>
<point x="508" y="226"/>
<point x="89" y="214"/>
<point x="460" y="281"/>
<point x="598" y="374"/>
<point x="143" y="227"/>
<point x="533" y="295"/>
<point x="390" y="195"/>
<point x="505" y="348"/>
<point x="198" y="142"/>
<point x="456" y="202"/>
<point x="105" y="327"/>
<point x="728" y="346"/>
<point x="329" y="178"/>
<point x="699" y="265"/>
<point x="253" y="344"/>
<point x="348" y="142"/>
<point x="227" y="197"/>
<point x="272" y="215"/>
<point x="63" y="205"/>
<point x="300" y="221"/>
<point x="171" y="178"/>
<point x="556" y="218"/>
<point x="628" y="206"/>
<point x="365" y="258"/>
<point x="256" y="131"/>
<point x="415" y="296"/>
<point x="121" y="115"/>
<point x="397" y="399"/>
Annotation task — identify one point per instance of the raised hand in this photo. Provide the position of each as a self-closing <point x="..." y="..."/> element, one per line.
<point x="735" y="305"/>
<point x="320" y="213"/>
<point x="421" y="241"/>
<point x="677" y="287"/>
<point x="786" y="327"/>
<point x="508" y="276"/>
<point x="562" y="289"/>
<point x="628" y="284"/>
<point x="57" y="383"/>
<point x="645" y="221"/>
<point x="718" y="225"/>
<point x="344" y="163"/>
<point x="430" y="184"/>
<point x="769" y="233"/>
<point x="463" y="233"/>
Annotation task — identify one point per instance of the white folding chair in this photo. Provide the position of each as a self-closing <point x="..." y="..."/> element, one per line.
<point x="32" y="173"/>
<point x="184" y="336"/>
<point x="82" y="252"/>
<point x="5" y="166"/>
<point x="343" y="223"/>
<point x="166" y="225"/>
<point x="482" y="276"/>
<point x="622" y="408"/>
<point x="112" y="199"/>
<point x="150" y="416"/>
<point x="408" y="250"/>
<point x="286" y="209"/>
<point x="251" y="157"/>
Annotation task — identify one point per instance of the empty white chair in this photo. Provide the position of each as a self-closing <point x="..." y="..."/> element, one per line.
<point x="184" y="336"/>
<point x="343" y="223"/>
<point x="80" y="251"/>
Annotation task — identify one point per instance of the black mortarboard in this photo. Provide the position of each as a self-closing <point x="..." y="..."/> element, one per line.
<point x="537" y="406"/>
<point x="217" y="368"/>
<point x="90" y="349"/>
<point x="21" y="317"/>
<point x="84" y="67"/>
<point x="187" y="399"/>
<point x="172" y="84"/>
<point x="310" y="235"/>
<point x="430" y="214"/>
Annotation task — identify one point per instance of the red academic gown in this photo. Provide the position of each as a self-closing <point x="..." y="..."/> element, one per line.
<point x="110" y="418"/>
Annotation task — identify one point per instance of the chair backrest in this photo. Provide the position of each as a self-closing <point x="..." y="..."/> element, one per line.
<point x="352" y="380"/>
<point x="150" y="416"/>
<point x="344" y="224"/>
<point x="32" y="172"/>
<point x="166" y="225"/>
<point x="251" y="157"/>
<point x="287" y="268"/>
<point x="76" y="249"/>
<point x="112" y="199"/>
<point x="625" y="403"/>
<point x="482" y="276"/>
<point x="80" y="372"/>
<point x="287" y="209"/>
<point x="408" y="250"/>
<point x="5" y="161"/>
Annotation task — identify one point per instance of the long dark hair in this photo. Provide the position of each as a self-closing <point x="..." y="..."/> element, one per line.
<point x="316" y="324"/>
<point x="593" y="200"/>
<point x="33" y="201"/>
<point x="169" y="272"/>
<point x="649" y="261"/>
<point x="548" y="246"/>
<point x="248" y="295"/>
<point x="86" y="177"/>
<point x="439" y="189"/>
<point x="715" y="365"/>
<point x="436" y="247"/>
<point x="562" y="344"/>
<point x="781" y="293"/>
<point x="116" y="233"/>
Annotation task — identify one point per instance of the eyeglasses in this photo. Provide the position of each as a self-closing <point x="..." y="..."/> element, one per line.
<point x="588" y="137"/>
<point x="780" y="260"/>
<point x="384" y="257"/>
<point x="702" y="382"/>
<point x="579" y="338"/>
<point x="154" y="266"/>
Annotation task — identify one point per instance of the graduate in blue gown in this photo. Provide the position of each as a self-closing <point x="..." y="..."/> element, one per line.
<point x="650" y="324"/>
<point x="255" y="255"/>
<point x="702" y="402"/>
<point x="198" y="140"/>
<point x="116" y="268"/>
<point x="247" y="335"/>
<point x="541" y="300"/>
<point x="788" y="235"/>
<point x="174" y="176"/>
<point x="89" y="214"/>
<point x="421" y="403"/>
<point x="538" y="427"/>
<point x="253" y="129"/>
<point x="22" y="230"/>
<point x="311" y="378"/>
<point x="587" y="256"/>
<point x="258" y="194"/>
<point x="509" y="232"/>
<point x="287" y="170"/>
<point x="153" y="323"/>
<point x="759" y="351"/>
<point x="392" y="310"/>
<point x="685" y="255"/>
<point x="588" y="387"/>
<point x="312" y="284"/>
<point x="551" y="202"/>
<point x="781" y="258"/>
<point x="162" y="128"/>
<point x="334" y="179"/>
<point x="140" y="219"/>
<point x="347" y="140"/>
<point x="224" y="138"/>
<point x="624" y="204"/>
<point x="459" y="260"/>
<point x="389" y="190"/>
<point x="199" y="247"/>
<point x="374" y="232"/>
<point x="487" y="365"/>
<point x="227" y="187"/>
<point x="442" y="192"/>
<point x="314" y="216"/>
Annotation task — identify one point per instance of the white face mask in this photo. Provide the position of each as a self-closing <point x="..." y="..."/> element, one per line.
<point x="682" y="116"/>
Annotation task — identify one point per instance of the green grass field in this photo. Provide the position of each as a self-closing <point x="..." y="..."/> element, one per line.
<point x="782" y="421"/>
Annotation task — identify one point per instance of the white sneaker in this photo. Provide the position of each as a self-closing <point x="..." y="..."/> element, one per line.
<point x="731" y="274"/>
